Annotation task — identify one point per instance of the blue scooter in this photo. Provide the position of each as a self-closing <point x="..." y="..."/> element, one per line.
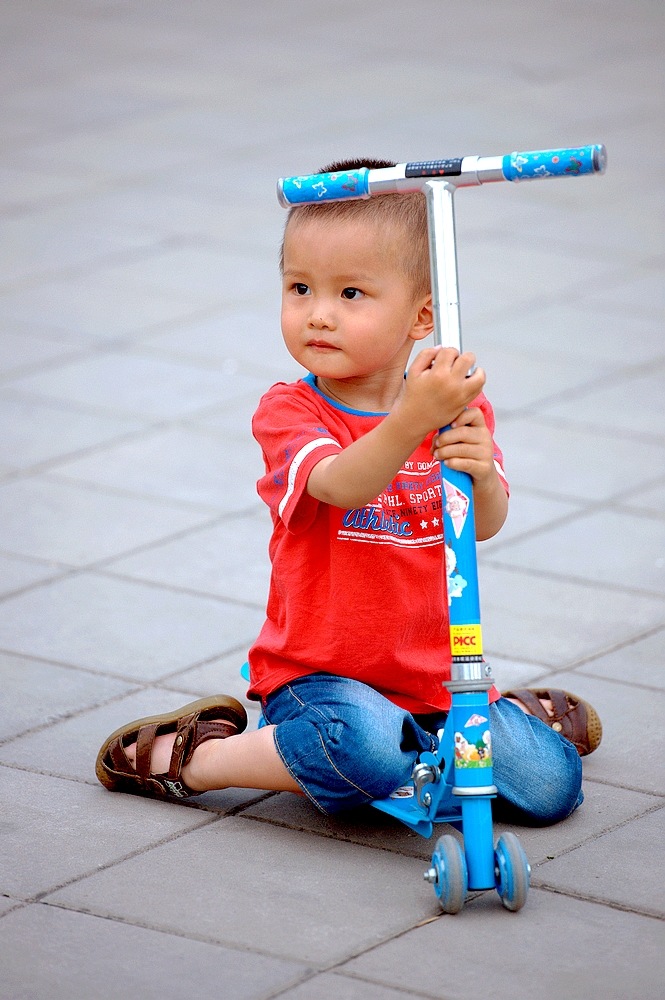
<point x="455" y="785"/>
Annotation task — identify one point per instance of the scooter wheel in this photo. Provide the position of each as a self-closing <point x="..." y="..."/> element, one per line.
<point x="512" y="872"/>
<point x="452" y="880"/>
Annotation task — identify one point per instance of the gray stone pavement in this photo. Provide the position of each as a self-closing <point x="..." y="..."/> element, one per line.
<point x="138" y="326"/>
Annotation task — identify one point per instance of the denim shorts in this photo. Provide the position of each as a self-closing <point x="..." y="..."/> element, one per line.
<point x="345" y="745"/>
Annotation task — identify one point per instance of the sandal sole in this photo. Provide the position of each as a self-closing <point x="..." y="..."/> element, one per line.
<point x="223" y="701"/>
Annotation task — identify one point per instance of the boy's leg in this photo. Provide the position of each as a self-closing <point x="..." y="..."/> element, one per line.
<point x="336" y="740"/>
<point x="538" y="772"/>
<point x="246" y="760"/>
<point x="343" y="742"/>
<point x="196" y="748"/>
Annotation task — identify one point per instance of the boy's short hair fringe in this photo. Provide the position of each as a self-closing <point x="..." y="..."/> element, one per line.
<point x="406" y="212"/>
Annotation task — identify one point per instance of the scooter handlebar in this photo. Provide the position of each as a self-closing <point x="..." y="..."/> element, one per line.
<point x="554" y="163"/>
<point x="313" y="188"/>
<point x="463" y="171"/>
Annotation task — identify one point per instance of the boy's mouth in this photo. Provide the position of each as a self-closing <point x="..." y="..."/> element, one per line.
<point x="322" y="345"/>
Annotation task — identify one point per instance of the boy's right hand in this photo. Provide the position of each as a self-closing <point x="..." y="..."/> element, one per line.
<point x="438" y="387"/>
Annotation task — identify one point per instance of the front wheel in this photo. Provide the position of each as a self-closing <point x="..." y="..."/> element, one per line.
<point x="512" y="871"/>
<point x="448" y="874"/>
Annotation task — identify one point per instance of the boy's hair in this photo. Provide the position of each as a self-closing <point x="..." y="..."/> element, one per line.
<point x="405" y="212"/>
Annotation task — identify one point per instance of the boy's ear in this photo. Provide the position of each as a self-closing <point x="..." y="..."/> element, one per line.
<point x="424" y="322"/>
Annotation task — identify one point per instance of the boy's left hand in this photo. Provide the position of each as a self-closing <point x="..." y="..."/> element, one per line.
<point x="466" y="446"/>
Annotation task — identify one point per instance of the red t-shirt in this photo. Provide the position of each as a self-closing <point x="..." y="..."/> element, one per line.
<point x="357" y="593"/>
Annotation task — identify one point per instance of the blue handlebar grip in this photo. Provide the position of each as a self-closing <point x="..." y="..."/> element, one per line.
<point x="554" y="163"/>
<point x="314" y="188"/>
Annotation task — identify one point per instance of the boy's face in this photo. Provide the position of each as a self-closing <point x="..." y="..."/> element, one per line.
<point x="348" y="309"/>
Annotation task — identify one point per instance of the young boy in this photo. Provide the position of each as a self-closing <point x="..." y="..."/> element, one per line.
<point x="350" y="663"/>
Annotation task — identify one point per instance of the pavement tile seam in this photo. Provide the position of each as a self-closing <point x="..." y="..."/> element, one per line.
<point x="151" y="248"/>
<point x="239" y="650"/>
<point x="619" y="432"/>
<point x="626" y="508"/>
<point x="337" y="970"/>
<point x="64" y="663"/>
<point x="97" y="568"/>
<point x="38" y="367"/>
<point x="221" y="517"/>
<point x="506" y="414"/>
<point x="156" y="928"/>
<point x="149" y="427"/>
<point x="608" y="380"/>
<point x="618" y="499"/>
<point x="60" y="574"/>
<point x="169" y="930"/>
<point x="574" y="671"/>
<point x="102" y="566"/>
<point x="336" y="835"/>
<point x="50" y="464"/>
<point x="174" y="588"/>
<point x="540" y="677"/>
<point x="153" y="681"/>
<point x="627" y="787"/>
<point x="200" y="805"/>
<point x="391" y="848"/>
<point x="601" y="831"/>
<point x="33" y="560"/>
<point x="395" y="991"/>
<point x="585" y="508"/>
<point x="30" y="769"/>
<point x="588" y="584"/>
<point x="103" y="672"/>
<point x="611" y="501"/>
<point x="616" y="647"/>
<point x="62" y="479"/>
<point x="612" y="904"/>
<point x="13" y="906"/>
<point x="207" y="819"/>
<point x="304" y="972"/>
<point x="574" y="293"/>
<point x="90" y="486"/>
<point x="135" y="688"/>
<point x="152" y="424"/>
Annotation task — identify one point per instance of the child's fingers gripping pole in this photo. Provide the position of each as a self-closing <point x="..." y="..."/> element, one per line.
<point x="465" y="171"/>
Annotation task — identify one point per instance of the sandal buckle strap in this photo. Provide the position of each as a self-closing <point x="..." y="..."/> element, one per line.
<point x="176" y="788"/>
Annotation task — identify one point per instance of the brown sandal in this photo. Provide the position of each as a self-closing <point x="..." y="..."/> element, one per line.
<point x="573" y="717"/>
<point x="206" y="719"/>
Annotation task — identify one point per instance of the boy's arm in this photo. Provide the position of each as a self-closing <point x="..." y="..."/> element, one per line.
<point x="467" y="446"/>
<point x="435" y="391"/>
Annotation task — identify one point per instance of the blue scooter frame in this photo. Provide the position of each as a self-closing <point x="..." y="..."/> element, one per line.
<point x="455" y="785"/>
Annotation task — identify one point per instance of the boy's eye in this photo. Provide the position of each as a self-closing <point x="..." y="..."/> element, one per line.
<point x="351" y="293"/>
<point x="300" y="288"/>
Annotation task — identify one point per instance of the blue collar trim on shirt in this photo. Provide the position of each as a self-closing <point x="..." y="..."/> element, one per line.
<point x="310" y="380"/>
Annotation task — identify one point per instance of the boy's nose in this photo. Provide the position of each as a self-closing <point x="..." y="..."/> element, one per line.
<point x="321" y="319"/>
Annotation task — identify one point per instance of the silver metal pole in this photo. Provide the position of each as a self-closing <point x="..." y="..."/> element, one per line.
<point x="443" y="263"/>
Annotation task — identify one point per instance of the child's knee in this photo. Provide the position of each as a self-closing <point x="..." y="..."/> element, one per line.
<point x="343" y="763"/>
<point x="544" y="795"/>
<point x="371" y="756"/>
<point x="552" y="801"/>
<point x="343" y="742"/>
